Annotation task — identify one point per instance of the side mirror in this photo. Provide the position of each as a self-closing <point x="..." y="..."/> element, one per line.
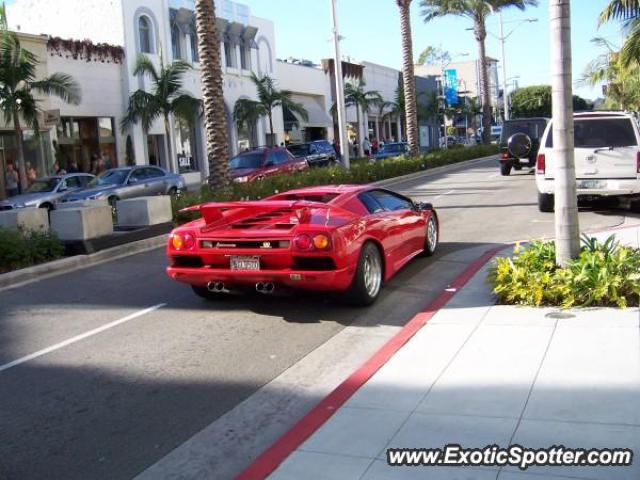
<point x="424" y="206"/>
<point x="62" y="188"/>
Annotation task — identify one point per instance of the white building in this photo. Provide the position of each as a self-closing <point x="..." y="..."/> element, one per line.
<point x="164" y="30"/>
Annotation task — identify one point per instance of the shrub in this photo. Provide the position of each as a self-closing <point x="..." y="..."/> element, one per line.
<point x="361" y="171"/>
<point x="21" y="249"/>
<point x="605" y="274"/>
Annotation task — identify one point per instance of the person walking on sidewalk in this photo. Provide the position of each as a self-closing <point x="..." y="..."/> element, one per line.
<point x="366" y="146"/>
<point x="11" y="181"/>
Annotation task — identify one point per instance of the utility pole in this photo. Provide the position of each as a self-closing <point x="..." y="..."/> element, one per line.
<point x="337" y="60"/>
<point x="505" y="97"/>
<point x="567" y="228"/>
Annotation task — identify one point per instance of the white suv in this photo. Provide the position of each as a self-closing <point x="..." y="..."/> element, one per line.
<point x="607" y="158"/>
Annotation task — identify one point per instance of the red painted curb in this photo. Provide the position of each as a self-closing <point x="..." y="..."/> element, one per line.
<point x="273" y="456"/>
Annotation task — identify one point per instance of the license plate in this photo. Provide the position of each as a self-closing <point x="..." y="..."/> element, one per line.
<point x="591" y="184"/>
<point x="245" y="263"/>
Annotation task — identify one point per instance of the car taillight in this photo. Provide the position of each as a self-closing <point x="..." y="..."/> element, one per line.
<point x="183" y="241"/>
<point x="505" y="155"/>
<point x="306" y="242"/>
<point x="541" y="164"/>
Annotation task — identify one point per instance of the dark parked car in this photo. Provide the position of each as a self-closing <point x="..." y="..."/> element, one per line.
<point x="129" y="182"/>
<point x="47" y="192"/>
<point x="395" y="149"/>
<point x="317" y="153"/>
<point x="520" y="142"/>
<point x="263" y="162"/>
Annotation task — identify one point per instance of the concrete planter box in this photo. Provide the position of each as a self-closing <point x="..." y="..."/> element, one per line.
<point x="101" y="202"/>
<point x="144" y="211"/>
<point x="25" y="219"/>
<point x="82" y="223"/>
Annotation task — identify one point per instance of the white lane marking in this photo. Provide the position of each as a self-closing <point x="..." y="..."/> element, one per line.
<point x="77" y="338"/>
<point x="444" y="194"/>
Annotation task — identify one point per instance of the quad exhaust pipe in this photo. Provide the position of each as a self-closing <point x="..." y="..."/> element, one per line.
<point x="265" y="288"/>
<point x="216" y="287"/>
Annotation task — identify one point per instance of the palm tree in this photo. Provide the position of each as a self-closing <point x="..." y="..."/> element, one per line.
<point x="567" y="228"/>
<point x="355" y="95"/>
<point x="246" y="113"/>
<point x="477" y="11"/>
<point x="629" y="12"/>
<point x="18" y="85"/>
<point x="166" y="99"/>
<point x="212" y="94"/>
<point x="411" y="113"/>
<point x="269" y="97"/>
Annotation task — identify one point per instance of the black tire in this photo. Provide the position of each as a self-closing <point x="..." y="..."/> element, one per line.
<point x="634" y="206"/>
<point x="545" y="202"/>
<point x="47" y="205"/>
<point x="362" y="293"/>
<point x="431" y="237"/>
<point x="202" y="292"/>
<point x="505" y="169"/>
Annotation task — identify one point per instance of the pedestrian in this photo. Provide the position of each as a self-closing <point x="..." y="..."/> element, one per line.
<point x="31" y="173"/>
<point x="94" y="165"/>
<point x="57" y="170"/>
<point x="355" y="147"/>
<point x="11" y="181"/>
<point x="366" y="146"/>
<point x="375" y="146"/>
<point x="336" y="147"/>
<point x="73" y="167"/>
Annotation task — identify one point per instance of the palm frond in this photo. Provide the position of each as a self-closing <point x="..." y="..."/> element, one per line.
<point x="247" y="112"/>
<point x="293" y="107"/>
<point x="620" y="10"/>
<point x="630" y="53"/>
<point x="144" y="66"/>
<point x="61" y="85"/>
<point x="186" y="107"/>
<point x="144" y="108"/>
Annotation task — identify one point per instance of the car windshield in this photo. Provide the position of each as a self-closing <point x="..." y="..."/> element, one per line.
<point x="533" y="129"/>
<point x="247" y="160"/>
<point x="601" y="133"/>
<point x="110" y="177"/>
<point x="298" y="150"/>
<point x="393" y="147"/>
<point x="44" y="185"/>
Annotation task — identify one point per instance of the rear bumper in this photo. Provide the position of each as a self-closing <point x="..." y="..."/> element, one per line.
<point x="608" y="188"/>
<point x="334" y="280"/>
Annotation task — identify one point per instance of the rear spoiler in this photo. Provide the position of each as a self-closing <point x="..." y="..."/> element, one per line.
<point x="220" y="213"/>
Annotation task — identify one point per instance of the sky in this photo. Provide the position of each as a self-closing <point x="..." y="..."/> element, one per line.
<point x="372" y="32"/>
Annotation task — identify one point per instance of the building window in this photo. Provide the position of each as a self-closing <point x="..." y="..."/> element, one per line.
<point x="230" y="54"/>
<point x="81" y="139"/>
<point x="144" y="30"/>
<point x="175" y="42"/>
<point x="186" y="146"/>
<point x="245" y="58"/>
<point x="193" y="40"/>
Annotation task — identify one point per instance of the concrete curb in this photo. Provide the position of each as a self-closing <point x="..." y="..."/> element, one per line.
<point x="64" y="265"/>
<point x="436" y="171"/>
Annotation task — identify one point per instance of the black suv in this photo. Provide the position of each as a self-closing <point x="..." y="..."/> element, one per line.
<point x="519" y="143"/>
<point x="317" y="153"/>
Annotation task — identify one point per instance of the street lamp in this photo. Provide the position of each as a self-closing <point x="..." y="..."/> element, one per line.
<point x="337" y="60"/>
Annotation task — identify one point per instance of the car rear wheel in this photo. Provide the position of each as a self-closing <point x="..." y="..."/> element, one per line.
<point x="545" y="202"/>
<point x="505" y="169"/>
<point x="367" y="282"/>
<point x="431" y="238"/>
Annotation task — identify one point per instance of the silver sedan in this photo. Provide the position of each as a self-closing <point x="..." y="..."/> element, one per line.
<point x="47" y="192"/>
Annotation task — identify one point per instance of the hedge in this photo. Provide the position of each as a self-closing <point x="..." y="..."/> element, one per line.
<point x="361" y="171"/>
<point x="21" y="249"/>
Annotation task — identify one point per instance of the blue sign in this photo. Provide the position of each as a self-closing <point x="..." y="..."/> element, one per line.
<point x="451" y="86"/>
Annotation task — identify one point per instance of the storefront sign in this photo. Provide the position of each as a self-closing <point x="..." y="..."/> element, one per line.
<point x="451" y="86"/>
<point x="51" y="118"/>
<point x="184" y="160"/>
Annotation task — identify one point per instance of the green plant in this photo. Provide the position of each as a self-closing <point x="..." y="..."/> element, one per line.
<point x="20" y="249"/>
<point x="604" y="274"/>
<point x="361" y="171"/>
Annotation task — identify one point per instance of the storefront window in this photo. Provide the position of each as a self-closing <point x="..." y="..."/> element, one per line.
<point x="87" y="144"/>
<point x="186" y="147"/>
<point x="37" y="152"/>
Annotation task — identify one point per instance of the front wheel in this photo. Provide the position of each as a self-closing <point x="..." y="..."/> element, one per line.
<point x="431" y="238"/>
<point x="367" y="282"/>
<point x="545" y="202"/>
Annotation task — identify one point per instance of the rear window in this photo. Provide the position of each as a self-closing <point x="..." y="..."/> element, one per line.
<point x="531" y="128"/>
<point x="298" y="150"/>
<point x="601" y="133"/>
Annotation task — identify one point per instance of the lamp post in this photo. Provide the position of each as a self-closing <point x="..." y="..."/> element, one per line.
<point x="445" y="60"/>
<point x="337" y="60"/>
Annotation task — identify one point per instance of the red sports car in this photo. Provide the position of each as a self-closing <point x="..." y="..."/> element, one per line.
<point x="347" y="238"/>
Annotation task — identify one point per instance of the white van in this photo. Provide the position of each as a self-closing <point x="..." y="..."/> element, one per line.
<point x="607" y="157"/>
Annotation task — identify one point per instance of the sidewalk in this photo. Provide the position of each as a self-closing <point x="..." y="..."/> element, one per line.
<point x="478" y="374"/>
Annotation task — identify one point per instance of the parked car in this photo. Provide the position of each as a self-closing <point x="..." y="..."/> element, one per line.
<point x="348" y="238"/>
<point x="607" y="159"/>
<point x="129" y="182"/>
<point x="317" y="153"/>
<point x="394" y="149"/>
<point x="263" y="162"/>
<point x="520" y="142"/>
<point x="47" y="192"/>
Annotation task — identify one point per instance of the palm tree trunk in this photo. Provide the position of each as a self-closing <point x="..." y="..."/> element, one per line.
<point x="566" y="200"/>
<point x="271" y="142"/>
<point x="358" y="139"/>
<point x="212" y="94"/>
<point x="481" y="34"/>
<point x="167" y="143"/>
<point x="3" y="190"/>
<point x="22" y="170"/>
<point x="408" y="78"/>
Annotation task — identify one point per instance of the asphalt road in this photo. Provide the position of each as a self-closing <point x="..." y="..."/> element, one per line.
<point x="105" y="370"/>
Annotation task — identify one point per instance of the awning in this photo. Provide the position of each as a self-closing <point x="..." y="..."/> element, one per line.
<point x="318" y="117"/>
